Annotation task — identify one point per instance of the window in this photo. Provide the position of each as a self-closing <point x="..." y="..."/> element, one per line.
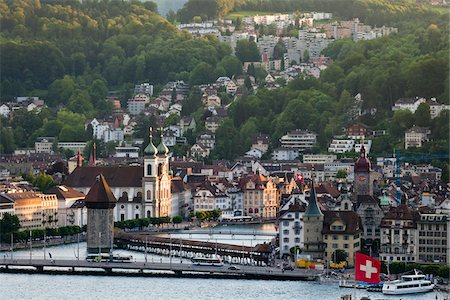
<point x="137" y="216"/>
<point x="335" y="246"/>
<point x="122" y="217"/>
<point x="325" y="237"/>
<point x="286" y="240"/>
<point x="335" y="237"/>
<point x="346" y="237"/>
<point x="149" y="195"/>
<point x="345" y="246"/>
<point x="297" y="240"/>
<point x="149" y="170"/>
<point x="285" y="231"/>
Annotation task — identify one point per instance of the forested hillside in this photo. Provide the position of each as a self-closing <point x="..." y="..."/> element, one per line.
<point x="114" y="41"/>
<point x="71" y="53"/>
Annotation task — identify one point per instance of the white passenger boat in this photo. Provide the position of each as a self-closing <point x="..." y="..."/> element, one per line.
<point x="408" y="284"/>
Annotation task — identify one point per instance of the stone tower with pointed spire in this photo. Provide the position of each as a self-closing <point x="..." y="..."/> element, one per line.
<point x="156" y="181"/>
<point x="313" y="224"/>
<point x="100" y="203"/>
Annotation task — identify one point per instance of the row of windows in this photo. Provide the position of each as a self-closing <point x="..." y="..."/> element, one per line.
<point x="430" y="226"/>
<point x="286" y="240"/>
<point x="296" y="231"/>
<point x="429" y="249"/>
<point x="437" y="233"/>
<point x="431" y="242"/>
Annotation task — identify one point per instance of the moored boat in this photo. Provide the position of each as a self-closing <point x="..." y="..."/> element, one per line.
<point x="408" y="284"/>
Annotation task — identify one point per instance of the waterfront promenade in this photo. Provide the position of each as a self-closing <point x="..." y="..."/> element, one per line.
<point x="83" y="267"/>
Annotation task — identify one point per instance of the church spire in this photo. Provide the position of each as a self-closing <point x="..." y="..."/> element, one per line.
<point x="312" y="210"/>
<point x="79" y="159"/>
<point x="162" y="148"/>
<point x="150" y="150"/>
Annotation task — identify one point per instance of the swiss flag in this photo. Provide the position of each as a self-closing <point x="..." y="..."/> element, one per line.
<point x="299" y="177"/>
<point x="367" y="269"/>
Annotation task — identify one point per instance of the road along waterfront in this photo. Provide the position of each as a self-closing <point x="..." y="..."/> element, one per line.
<point x="39" y="286"/>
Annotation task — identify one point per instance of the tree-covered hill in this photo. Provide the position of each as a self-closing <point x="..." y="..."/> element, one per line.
<point x="118" y="42"/>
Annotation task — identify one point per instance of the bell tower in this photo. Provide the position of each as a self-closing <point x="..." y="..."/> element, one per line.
<point x="150" y="178"/>
<point x="362" y="184"/>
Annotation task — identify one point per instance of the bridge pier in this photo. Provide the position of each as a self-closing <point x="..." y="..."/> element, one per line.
<point x="39" y="268"/>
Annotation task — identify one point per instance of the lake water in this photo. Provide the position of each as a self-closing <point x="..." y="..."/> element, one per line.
<point x="24" y="286"/>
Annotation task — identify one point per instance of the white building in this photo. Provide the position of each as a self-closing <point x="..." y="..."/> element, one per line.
<point x="415" y="136"/>
<point x="113" y="135"/>
<point x="367" y="146"/>
<point x="4" y="110"/>
<point x="73" y="146"/>
<point x="318" y="158"/>
<point x="436" y="108"/>
<point x="410" y="104"/>
<point x="44" y="145"/>
<point x="131" y="152"/>
<point x="299" y="139"/>
<point x="144" y="88"/>
<point x="291" y="228"/>
<point x="285" y="154"/>
<point x="341" y="145"/>
<point x="136" y="106"/>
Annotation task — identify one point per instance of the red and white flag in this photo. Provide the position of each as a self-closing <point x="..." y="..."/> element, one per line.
<point x="299" y="177"/>
<point x="367" y="269"/>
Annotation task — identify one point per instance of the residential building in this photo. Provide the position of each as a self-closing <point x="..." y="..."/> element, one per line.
<point x="357" y="131"/>
<point x="136" y="106"/>
<point x="341" y="145"/>
<point x="415" y="136"/>
<point x="341" y="231"/>
<point x="212" y="123"/>
<point x="285" y="154"/>
<point x="209" y="197"/>
<point x="261" y="142"/>
<point x="410" y="104"/>
<point x="4" y="110"/>
<point x="49" y="210"/>
<point x="435" y="107"/>
<point x="199" y="150"/>
<point x="73" y="146"/>
<point x="433" y="244"/>
<point x="318" y="158"/>
<point x="231" y="87"/>
<point x="28" y="208"/>
<point x="6" y="205"/>
<point x="66" y="197"/>
<point x="129" y="152"/>
<point x="44" y="144"/>
<point x="398" y="234"/>
<point x="260" y="196"/>
<point x="290" y="228"/>
<point x="144" y="88"/>
<point x="299" y="139"/>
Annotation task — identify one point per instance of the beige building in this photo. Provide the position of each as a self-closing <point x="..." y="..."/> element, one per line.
<point x="341" y="231"/>
<point x="28" y="208"/>
<point x="260" y="196"/>
<point x="66" y="197"/>
<point x="432" y="236"/>
<point x="49" y="210"/>
<point x="415" y="136"/>
<point x="44" y="144"/>
<point x="398" y="234"/>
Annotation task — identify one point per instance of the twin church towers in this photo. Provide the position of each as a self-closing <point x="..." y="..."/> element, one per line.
<point x="156" y="182"/>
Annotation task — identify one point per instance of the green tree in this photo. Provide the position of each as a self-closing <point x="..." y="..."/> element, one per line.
<point x="43" y="182"/>
<point x="9" y="224"/>
<point x="422" y="115"/>
<point x="247" y="51"/>
<point x="339" y="256"/>
<point x="201" y="74"/>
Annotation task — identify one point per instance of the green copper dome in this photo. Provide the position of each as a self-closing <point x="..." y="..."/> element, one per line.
<point x="150" y="150"/>
<point x="162" y="148"/>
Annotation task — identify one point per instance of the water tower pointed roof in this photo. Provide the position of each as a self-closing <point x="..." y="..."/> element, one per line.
<point x="100" y="195"/>
<point x="312" y="210"/>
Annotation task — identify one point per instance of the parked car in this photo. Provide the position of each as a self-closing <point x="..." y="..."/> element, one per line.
<point x="235" y="268"/>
